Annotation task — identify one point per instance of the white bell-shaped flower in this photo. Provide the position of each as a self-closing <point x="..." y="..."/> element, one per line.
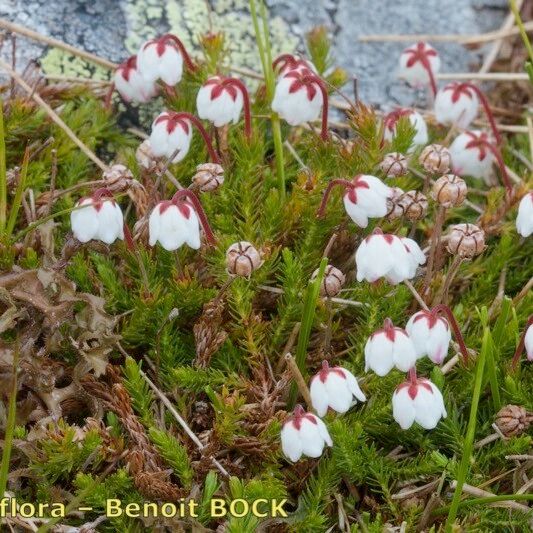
<point x="421" y="137"/>
<point x="298" y="98"/>
<point x="304" y="434"/>
<point x="418" y="400"/>
<point x="163" y="58"/>
<point x="220" y="100"/>
<point x="387" y="348"/>
<point x="524" y="219"/>
<point x="470" y="156"/>
<point x="365" y="197"/>
<point x="130" y="83"/>
<point x="431" y="335"/>
<point x="385" y="256"/>
<point x="98" y="217"/>
<point x="176" y="222"/>
<point x="415" y="254"/>
<point x="334" y="387"/>
<point x="419" y="64"/>
<point x="528" y="342"/>
<point x="287" y="62"/>
<point x="456" y="103"/>
<point x="171" y="136"/>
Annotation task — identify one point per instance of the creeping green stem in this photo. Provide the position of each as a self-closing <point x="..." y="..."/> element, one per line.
<point x="265" y="52"/>
<point x="470" y="433"/>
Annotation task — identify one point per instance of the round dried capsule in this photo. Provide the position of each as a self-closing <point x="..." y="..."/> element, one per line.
<point x="332" y="282"/>
<point x="395" y="206"/>
<point x="449" y="190"/>
<point x="466" y="240"/>
<point x="242" y="258"/>
<point x="415" y="205"/>
<point x="436" y="159"/>
<point x="115" y="175"/>
<point x="145" y="156"/>
<point x="208" y="177"/>
<point x="513" y="420"/>
<point x="394" y="165"/>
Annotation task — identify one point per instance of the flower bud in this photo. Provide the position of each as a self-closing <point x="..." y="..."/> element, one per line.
<point x="242" y="258"/>
<point x="208" y="177"/>
<point x="449" y="190"/>
<point x="415" y="205"/>
<point x="332" y="282"/>
<point x="466" y="240"/>
<point x="394" y="165"/>
<point x="513" y="420"/>
<point x="436" y="159"/>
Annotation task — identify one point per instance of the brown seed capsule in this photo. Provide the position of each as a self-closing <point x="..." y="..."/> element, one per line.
<point x="332" y="282"/>
<point x="146" y="158"/>
<point x="395" y="206"/>
<point x="394" y="165"/>
<point x="208" y="177"/>
<point x="242" y="258"/>
<point x="513" y="420"/>
<point x="415" y="205"/>
<point x="436" y="159"/>
<point x="449" y="190"/>
<point x="116" y="174"/>
<point x="466" y="240"/>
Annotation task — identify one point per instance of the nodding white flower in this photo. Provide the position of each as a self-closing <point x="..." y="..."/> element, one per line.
<point x="415" y="254"/>
<point x="385" y="256"/>
<point x="473" y="154"/>
<point x="528" y="342"/>
<point x="175" y="222"/>
<point x="365" y="197"/>
<point x="220" y="100"/>
<point x="387" y="348"/>
<point x="334" y="387"/>
<point x="131" y="84"/>
<point x="299" y="97"/>
<point x="431" y="335"/>
<point x="99" y="219"/>
<point x="418" y="400"/>
<point x="524" y="219"/>
<point x="172" y="134"/>
<point x="419" y="63"/>
<point x="456" y="103"/>
<point x="287" y="62"/>
<point x="304" y="434"/>
<point x="162" y="58"/>
<point x="417" y="121"/>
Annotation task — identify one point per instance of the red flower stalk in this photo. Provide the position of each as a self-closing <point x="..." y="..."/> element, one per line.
<point x="235" y="82"/>
<point x="181" y="47"/>
<point x="325" y="197"/>
<point x="520" y="347"/>
<point x="421" y="55"/>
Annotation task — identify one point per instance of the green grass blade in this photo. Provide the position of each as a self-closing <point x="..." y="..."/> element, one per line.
<point x="17" y="200"/>
<point x="308" y="315"/>
<point x="10" y="425"/>
<point x="3" y="172"/>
